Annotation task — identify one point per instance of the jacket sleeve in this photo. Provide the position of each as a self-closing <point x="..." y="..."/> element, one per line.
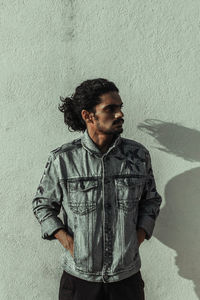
<point x="149" y="204"/>
<point x="47" y="201"/>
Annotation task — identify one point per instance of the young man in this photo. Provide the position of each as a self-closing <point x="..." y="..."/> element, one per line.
<point x="106" y="188"/>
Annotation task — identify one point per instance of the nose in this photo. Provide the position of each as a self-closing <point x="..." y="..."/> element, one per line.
<point x="119" y="115"/>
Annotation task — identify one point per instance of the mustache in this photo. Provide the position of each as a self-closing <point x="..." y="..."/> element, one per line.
<point x="119" y="121"/>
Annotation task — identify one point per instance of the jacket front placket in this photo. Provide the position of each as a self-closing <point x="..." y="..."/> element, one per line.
<point x="106" y="204"/>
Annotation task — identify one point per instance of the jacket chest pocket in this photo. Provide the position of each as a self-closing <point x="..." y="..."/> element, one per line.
<point x="83" y="195"/>
<point x="128" y="191"/>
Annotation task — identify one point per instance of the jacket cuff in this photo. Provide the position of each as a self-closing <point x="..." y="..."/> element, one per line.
<point x="147" y="223"/>
<point x="49" y="226"/>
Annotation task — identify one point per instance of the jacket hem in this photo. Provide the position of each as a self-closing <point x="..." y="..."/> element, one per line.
<point x="122" y="274"/>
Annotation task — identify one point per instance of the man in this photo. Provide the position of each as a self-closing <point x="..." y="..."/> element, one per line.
<point x="106" y="188"/>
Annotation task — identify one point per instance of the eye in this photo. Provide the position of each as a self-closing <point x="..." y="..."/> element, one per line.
<point x="110" y="108"/>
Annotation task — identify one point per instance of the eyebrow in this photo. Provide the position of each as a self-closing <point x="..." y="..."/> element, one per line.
<point x="113" y="105"/>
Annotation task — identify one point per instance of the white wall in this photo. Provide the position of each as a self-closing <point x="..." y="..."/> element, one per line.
<point x="151" y="50"/>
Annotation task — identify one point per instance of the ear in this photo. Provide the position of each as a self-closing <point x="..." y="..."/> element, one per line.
<point x="87" y="116"/>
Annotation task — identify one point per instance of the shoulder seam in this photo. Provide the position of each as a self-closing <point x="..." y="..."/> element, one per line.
<point x="67" y="147"/>
<point x="129" y="141"/>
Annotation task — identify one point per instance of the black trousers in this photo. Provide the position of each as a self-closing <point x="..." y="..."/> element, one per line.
<point x="73" y="288"/>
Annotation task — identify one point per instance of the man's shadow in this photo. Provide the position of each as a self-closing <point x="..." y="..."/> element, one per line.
<point x="178" y="223"/>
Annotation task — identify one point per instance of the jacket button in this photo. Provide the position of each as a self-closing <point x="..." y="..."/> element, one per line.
<point x="105" y="277"/>
<point x="108" y="205"/>
<point x="106" y="180"/>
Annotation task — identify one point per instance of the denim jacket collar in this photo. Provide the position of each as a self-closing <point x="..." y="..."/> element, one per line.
<point x="90" y="146"/>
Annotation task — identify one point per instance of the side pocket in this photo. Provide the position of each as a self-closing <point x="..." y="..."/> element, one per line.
<point x="66" y="284"/>
<point x="141" y="281"/>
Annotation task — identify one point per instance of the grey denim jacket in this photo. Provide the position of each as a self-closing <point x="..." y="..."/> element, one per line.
<point x="105" y="198"/>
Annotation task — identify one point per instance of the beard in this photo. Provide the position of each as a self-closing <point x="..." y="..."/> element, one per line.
<point x="109" y="131"/>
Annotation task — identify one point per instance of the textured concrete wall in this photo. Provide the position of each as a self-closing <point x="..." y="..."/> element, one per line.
<point x="151" y="50"/>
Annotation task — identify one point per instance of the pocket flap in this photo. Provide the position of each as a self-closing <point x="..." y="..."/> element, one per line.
<point x="130" y="181"/>
<point x="82" y="185"/>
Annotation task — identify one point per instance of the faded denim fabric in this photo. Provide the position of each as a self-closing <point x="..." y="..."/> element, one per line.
<point x="104" y="198"/>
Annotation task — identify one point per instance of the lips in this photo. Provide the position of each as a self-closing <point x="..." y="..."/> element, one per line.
<point x="119" y="123"/>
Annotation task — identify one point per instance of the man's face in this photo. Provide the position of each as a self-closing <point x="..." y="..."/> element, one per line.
<point x="108" y="118"/>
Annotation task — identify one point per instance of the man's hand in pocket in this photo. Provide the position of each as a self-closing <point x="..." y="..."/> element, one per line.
<point x="141" y="235"/>
<point x="66" y="240"/>
<point x="70" y="246"/>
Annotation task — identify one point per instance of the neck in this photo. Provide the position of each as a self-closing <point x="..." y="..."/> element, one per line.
<point x="102" y="141"/>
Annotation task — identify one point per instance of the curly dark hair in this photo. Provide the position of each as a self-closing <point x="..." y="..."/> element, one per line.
<point x="86" y="96"/>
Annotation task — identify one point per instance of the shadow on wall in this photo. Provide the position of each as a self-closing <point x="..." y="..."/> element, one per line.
<point x="179" y="222"/>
